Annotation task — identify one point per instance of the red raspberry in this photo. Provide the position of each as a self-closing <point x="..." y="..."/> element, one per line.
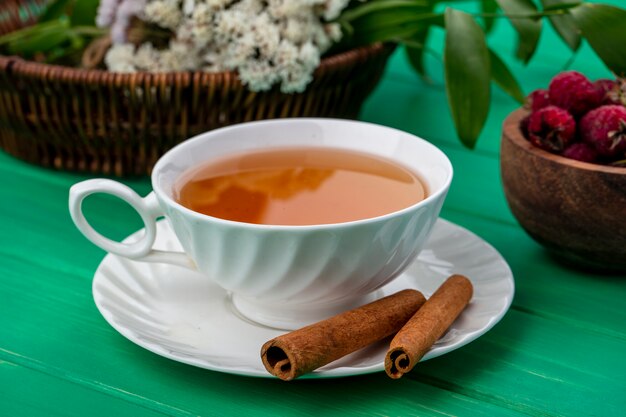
<point x="573" y="92"/>
<point x="608" y="90"/>
<point x="605" y="129"/>
<point x="537" y="100"/>
<point x="617" y="95"/>
<point x="551" y="128"/>
<point x="580" y="151"/>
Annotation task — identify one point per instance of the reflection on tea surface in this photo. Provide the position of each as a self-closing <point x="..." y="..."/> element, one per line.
<point x="299" y="186"/>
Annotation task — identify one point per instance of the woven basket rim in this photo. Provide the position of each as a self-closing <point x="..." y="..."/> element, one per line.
<point x="18" y="64"/>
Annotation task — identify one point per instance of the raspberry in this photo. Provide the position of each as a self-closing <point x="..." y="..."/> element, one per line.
<point x="537" y="100"/>
<point x="608" y="90"/>
<point x="551" y="128"/>
<point x="573" y="92"/>
<point x="580" y="151"/>
<point x="617" y="95"/>
<point x="605" y="129"/>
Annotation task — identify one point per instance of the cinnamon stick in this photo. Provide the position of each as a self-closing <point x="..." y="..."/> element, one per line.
<point x="430" y="322"/>
<point x="304" y="350"/>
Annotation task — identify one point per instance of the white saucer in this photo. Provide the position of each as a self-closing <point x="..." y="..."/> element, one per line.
<point x="179" y="314"/>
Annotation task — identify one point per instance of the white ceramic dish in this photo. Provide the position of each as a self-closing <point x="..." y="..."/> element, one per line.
<point x="175" y="313"/>
<point x="281" y="275"/>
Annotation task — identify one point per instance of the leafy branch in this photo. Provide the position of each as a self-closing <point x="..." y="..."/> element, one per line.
<point x="62" y="30"/>
<point x="470" y="65"/>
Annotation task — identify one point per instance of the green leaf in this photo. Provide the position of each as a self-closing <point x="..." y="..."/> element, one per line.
<point x="384" y="34"/>
<point x="74" y="46"/>
<point x="388" y="18"/>
<point x="605" y="29"/>
<point x="24" y="33"/>
<point x="564" y="24"/>
<point x="467" y="72"/>
<point x="39" y="38"/>
<point x="559" y="5"/>
<point x="346" y="28"/>
<point x="504" y="78"/>
<point x="415" y="51"/>
<point x="416" y="59"/>
<point x="489" y="7"/>
<point x="390" y="25"/>
<point x="39" y="42"/>
<point x="401" y="6"/>
<point x="528" y="29"/>
<point x="54" y="10"/>
<point x="84" y="13"/>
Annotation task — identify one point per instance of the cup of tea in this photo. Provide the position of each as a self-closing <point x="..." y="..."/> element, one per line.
<point x="298" y="219"/>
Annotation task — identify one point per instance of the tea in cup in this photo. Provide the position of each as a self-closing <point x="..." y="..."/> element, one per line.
<point x="299" y="219"/>
<point x="299" y="187"/>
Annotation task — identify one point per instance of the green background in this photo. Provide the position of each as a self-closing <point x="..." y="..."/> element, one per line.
<point x="559" y="351"/>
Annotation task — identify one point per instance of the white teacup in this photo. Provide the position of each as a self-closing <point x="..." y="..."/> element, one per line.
<point x="284" y="276"/>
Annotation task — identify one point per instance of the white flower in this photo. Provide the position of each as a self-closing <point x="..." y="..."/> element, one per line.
<point x="179" y="57"/>
<point x="321" y="39"/>
<point x="286" y="54"/>
<point x="229" y="25"/>
<point x="258" y="76"/>
<point x="165" y="13"/>
<point x="184" y="32"/>
<point x="202" y="15"/>
<point x="213" y="61"/>
<point x="146" y="57"/>
<point x="217" y="4"/>
<point x="309" y="56"/>
<point x="119" y="58"/>
<point x="295" y="79"/>
<point x="334" y="32"/>
<point x="293" y="74"/>
<point x="188" y="7"/>
<point x="261" y="35"/>
<point x="266" y="36"/>
<point x="201" y="35"/>
<point x="267" y="42"/>
<point x="295" y="31"/>
<point x="239" y="52"/>
<point x="184" y="51"/>
<point x="250" y="6"/>
<point x="296" y="65"/>
<point x="297" y="82"/>
<point x="334" y="8"/>
<point x="281" y="9"/>
<point x="198" y="29"/>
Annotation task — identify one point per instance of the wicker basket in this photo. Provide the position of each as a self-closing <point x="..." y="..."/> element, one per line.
<point x="119" y="124"/>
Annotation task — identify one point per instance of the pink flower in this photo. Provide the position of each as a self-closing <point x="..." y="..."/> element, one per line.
<point x="117" y="14"/>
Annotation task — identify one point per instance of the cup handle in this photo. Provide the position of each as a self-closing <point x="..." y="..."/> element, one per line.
<point x="149" y="210"/>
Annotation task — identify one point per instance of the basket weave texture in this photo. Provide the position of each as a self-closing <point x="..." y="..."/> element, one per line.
<point x="120" y="124"/>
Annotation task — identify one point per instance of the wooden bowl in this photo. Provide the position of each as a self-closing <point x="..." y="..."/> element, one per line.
<point x="575" y="209"/>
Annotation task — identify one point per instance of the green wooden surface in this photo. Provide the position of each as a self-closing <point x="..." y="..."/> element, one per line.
<point x="558" y="352"/>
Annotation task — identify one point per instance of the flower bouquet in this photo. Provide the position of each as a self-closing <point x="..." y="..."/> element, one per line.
<point x="109" y="85"/>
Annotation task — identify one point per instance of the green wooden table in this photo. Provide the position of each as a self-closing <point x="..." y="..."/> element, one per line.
<point x="559" y="351"/>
